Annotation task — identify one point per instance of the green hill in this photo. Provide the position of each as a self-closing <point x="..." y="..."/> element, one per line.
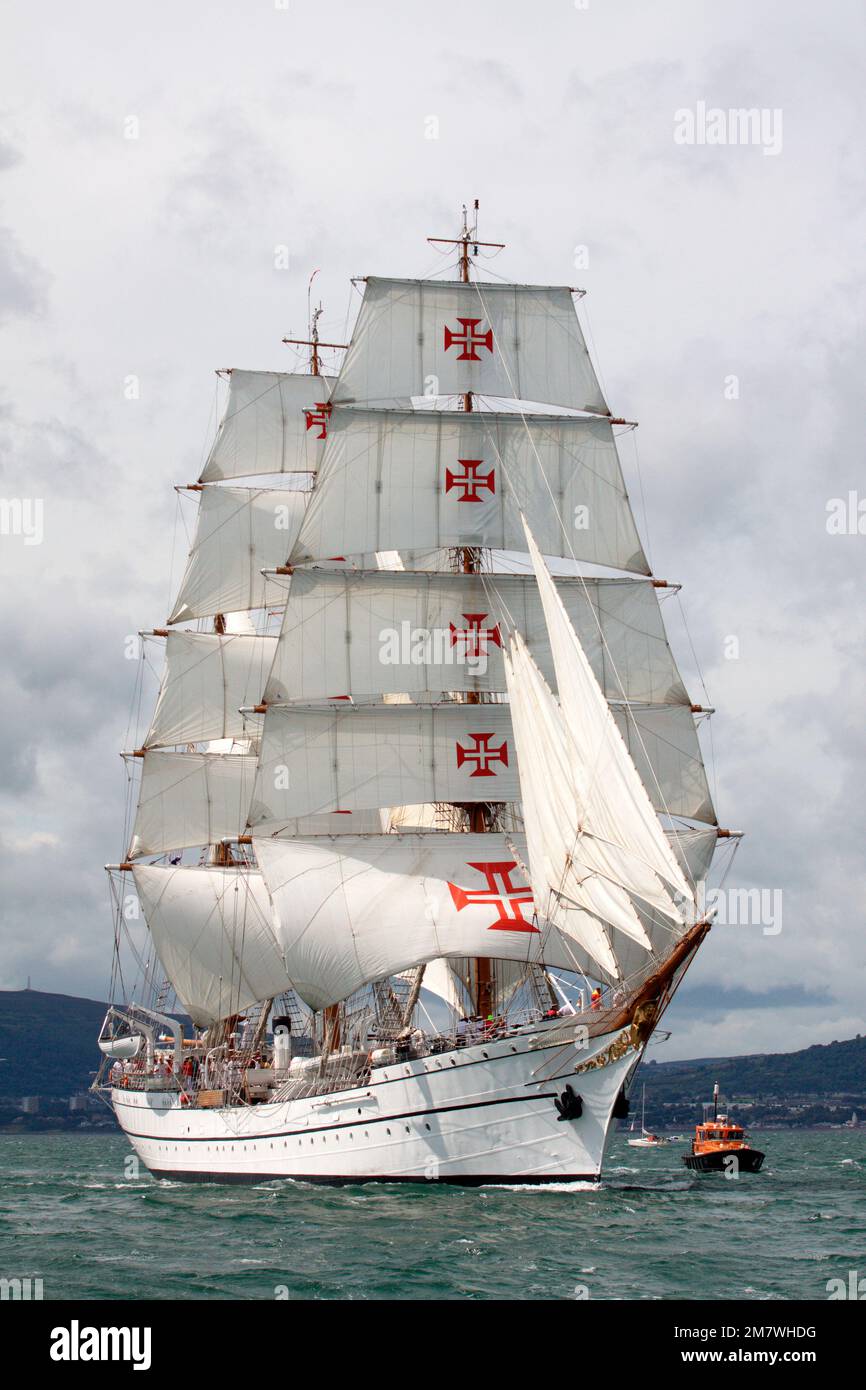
<point x="48" y="1043"/>
<point x="830" y="1069"/>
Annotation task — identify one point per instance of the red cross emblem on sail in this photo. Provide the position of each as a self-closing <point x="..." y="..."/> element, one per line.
<point x="470" y="480"/>
<point x="474" y="638"/>
<point x="482" y="755"/>
<point x="508" y="898"/>
<point x="468" y="339"/>
<point x="319" y="416"/>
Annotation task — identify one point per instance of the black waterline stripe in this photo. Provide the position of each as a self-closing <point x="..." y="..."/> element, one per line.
<point x="360" y="1123"/>
<point x="329" y="1180"/>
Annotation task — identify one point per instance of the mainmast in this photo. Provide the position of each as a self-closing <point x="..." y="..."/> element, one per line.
<point x="480" y="816"/>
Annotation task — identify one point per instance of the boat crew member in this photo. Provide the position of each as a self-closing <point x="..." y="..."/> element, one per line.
<point x="595" y="1000"/>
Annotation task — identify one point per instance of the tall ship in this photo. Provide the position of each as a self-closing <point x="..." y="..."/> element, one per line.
<point x="417" y="833"/>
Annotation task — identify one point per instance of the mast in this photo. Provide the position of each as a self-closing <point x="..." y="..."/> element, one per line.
<point x="313" y="342"/>
<point x="468" y="237"/>
<point x="469" y="557"/>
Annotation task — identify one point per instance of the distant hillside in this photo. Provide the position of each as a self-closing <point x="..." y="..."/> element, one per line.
<point x="836" y="1068"/>
<point x="48" y="1042"/>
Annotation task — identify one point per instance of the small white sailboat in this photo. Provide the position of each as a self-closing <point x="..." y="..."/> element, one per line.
<point x="647" y="1140"/>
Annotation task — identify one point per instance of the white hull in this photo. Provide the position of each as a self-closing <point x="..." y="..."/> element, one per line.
<point x="484" y="1113"/>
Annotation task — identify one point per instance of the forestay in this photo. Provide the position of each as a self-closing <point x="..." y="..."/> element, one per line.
<point x="422" y="480"/>
<point x="213" y="932"/>
<point x="591" y="828"/>
<point x="274" y="422"/>
<point x="240" y="532"/>
<point x="438" y="338"/>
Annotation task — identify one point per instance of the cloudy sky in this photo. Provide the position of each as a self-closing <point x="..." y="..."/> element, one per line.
<point x="155" y="158"/>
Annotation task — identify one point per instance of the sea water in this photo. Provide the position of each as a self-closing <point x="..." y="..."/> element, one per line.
<point x="74" y="1213"/>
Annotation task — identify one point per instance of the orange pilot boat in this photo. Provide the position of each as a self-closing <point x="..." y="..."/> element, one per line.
<point x="721" y="1145"/>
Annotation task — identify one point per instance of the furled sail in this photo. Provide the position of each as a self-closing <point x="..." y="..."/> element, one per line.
<point x="207" y="679"/>
<point x="352" y="909"/>
<point x="377" y="633"/>
<point x="188" y="799"/>
<point x="274" y="422"/>
<point x="420" y="480"/>
<point x="240" y="532"/>
<point x="213" y="931"/>
<point x="439" y="338"/>
<point x="570" y="878"/>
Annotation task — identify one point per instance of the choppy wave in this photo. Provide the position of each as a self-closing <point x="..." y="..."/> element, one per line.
<point x="71" y="1214"/>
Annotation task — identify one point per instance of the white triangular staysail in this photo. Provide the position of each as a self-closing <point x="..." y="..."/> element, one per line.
<point x="429" y="337"/>
<point x="422" y="480"/>
<point x="564" y="877"/>
<point x="588" y="816"/>
<point x="621" y="810"/>
<point x="213" y="931"/>
<point x="240" y="532"/>
<point x="274" y="422"/>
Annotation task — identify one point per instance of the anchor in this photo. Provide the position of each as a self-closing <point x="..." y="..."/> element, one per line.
<point x="569" y="1105"/>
